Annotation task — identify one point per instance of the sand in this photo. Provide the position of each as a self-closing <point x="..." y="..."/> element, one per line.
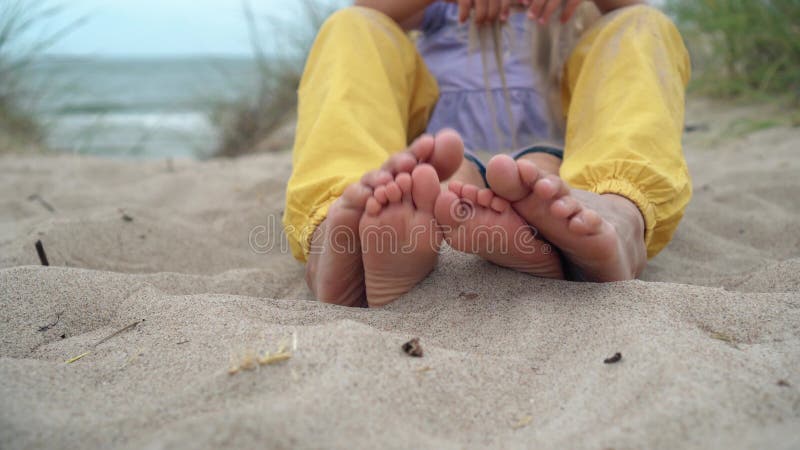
<point x="710" y="337"/>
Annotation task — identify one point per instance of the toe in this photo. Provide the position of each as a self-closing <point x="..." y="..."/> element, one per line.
<point x="400" y="162"/>
<point x="565" y="207"/>
<point x="373" y="207"/>
<point x="393" y="192"/>
<point x="422" y="148"/>
<point x="528" y="172"/>
<point x="446" y="204"/>
<point x="376" y="178"/>
<point x="355" y="196"/>
<point x="448" y="153"/>
<point x="470" y="192"/>
<point x="550" y="187"/>
<point x="586" y="222"/>
<point x="455" y="187"/>
<point x="425" y="187"/>
<point x="485" y="197"/>
<point x="380" y="195"/>
<point x="404" y="181"/>
<point x="504" y="178"/>
<point x="499" y="204"/>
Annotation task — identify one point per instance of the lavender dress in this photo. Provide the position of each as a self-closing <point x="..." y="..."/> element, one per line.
<point x="463" y="103"/>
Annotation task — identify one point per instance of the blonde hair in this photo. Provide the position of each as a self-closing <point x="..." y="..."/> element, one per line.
<point x="550" y="45"/>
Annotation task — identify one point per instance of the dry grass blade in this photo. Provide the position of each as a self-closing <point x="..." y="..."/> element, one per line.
<point x="24" y="36"/>
<point x="252" y="360"/>
<point x="246" y="123"/>
<point x="522" y="422"/>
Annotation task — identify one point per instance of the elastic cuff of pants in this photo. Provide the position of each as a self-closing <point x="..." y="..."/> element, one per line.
<point x="300" y="225"/>
<point x="628" y="190"/>
<point x="552" y="151"/>
<point x="317" y="216"/>
<point x="469" y="156"/>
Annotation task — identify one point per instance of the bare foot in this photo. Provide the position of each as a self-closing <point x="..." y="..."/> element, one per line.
<point x="601" y="236"/>
<point x="400" y="239"/>
<point x="477" y="221"/>
<point x="335" y="272"/>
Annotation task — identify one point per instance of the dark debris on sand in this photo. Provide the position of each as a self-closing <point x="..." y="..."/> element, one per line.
<point x="413" y="348"/>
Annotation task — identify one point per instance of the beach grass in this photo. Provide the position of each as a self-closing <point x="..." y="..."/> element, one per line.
<point x="745" y="49"/>
<point x="245" y="124"/>
<point x="25" y="35"/>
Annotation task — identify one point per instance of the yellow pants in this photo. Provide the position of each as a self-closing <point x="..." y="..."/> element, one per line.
<point x="366" y="94"/>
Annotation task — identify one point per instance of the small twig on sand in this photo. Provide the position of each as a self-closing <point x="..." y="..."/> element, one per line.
<point x="42" y="254"/>
<point x="117" y="333"/>
<point x="44" y="328"/>
<point x="124" y="215"/>
<point x="691" y="128"/>
<point x="45" y="204"/>
<point x="721" y="337"/>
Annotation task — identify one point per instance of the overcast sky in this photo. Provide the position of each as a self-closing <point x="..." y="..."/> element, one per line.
<point x="169" y="27"/>
<point x="165" y="27"/>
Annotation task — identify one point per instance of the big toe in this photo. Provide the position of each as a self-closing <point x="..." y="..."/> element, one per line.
<point x="448" y="153"/>
<point x="425" y="187"/>
<point x="504" y="178"/>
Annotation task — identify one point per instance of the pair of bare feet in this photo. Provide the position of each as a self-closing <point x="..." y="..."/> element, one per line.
<point x="383" y="235"/>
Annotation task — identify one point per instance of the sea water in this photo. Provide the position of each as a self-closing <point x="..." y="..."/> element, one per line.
<point x="136" y="108"/>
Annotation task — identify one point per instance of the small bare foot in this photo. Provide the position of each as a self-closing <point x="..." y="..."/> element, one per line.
<point x="601" y="236"/>
<point x="400" y="239"/>
<point x="335" y="271"/>
<point x="444" y="152"/>
<point x="477" y="221"/>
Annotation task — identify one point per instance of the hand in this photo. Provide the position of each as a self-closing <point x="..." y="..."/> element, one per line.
<point x="544" y="9"/>
<point x="485" y="10"/>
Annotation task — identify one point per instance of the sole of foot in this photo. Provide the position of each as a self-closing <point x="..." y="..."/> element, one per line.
<point x="335" y="270"/>
<point x="400" y="238"/>
<point x="477" y="221"/>
<point x="601" y="236"/>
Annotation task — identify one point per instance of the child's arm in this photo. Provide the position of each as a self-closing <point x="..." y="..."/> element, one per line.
<point x="543" y="9"/>
<point x="606" y="6"/>
<point x="407" y="13"/>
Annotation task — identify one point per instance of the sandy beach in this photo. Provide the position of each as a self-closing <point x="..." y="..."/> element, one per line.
<point x="164" y="274"/>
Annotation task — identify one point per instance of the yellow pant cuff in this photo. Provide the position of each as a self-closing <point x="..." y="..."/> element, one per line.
<point x="628" y="190"/>
<point x="300" y="235"/>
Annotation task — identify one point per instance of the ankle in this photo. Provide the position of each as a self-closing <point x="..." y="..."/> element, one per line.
<point x="631" y="226"/>
<point x="628" y="212"/>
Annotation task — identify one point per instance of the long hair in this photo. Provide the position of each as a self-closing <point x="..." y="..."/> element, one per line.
<point x="550" y="45"/>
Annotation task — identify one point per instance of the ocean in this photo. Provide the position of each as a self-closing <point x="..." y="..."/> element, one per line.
<point x="136" y="108"/>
